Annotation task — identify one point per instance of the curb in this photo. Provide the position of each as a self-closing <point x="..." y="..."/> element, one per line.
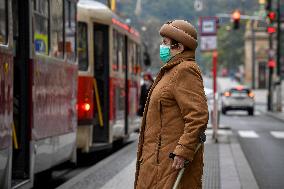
<point x="244" y="171"/>
<point x="278" y="117"/>
<point x="272" y="115"/>
<point x="235" y="170"/>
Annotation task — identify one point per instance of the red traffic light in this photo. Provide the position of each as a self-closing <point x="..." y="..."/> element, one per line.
<point x="271" y="29"/>
<point x="271" y="63"/>
<point x="272" y="16"/>
<point x="236" y="15"/>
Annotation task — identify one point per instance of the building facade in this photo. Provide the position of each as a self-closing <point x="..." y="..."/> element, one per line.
<point x="256" y="75"/>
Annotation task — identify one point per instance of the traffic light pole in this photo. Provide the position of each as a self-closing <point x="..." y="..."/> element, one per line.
<point x="279" y="95"/>
<point x="270" y="89"/>
<point x="215" y="103"/>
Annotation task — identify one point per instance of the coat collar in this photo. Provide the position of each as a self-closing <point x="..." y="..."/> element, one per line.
<point x="186" y="55"/>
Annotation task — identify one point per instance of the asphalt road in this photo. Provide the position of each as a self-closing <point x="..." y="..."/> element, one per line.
<point x="262" y="140"/>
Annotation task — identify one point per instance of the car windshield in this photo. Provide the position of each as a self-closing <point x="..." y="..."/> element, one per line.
<point x="239" y="92"/>
<point x="243" y="91"/>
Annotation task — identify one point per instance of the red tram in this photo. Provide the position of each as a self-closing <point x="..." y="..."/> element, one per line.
<point x="38" y="88"/>
<point x="109" y="77"/>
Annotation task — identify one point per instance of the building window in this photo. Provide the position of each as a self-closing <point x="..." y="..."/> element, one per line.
<point x="83" y="46"/>
<point x="41" y="26"/>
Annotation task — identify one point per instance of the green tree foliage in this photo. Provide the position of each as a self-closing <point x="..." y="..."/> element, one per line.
<point x="231" y="47"/>
<point x="155" y="13"/>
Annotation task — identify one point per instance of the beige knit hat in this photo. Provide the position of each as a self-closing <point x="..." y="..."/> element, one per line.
<point x="181" y="31"/>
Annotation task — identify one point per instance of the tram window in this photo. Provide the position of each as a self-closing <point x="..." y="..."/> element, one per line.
<point x="3" y="22"/>
<point x="134" y="60"/>
<point x="83" y="46"/>
<point x="138" y="59"/>
<point x="70" y="30"/>
<point x="131" y="59"/>
<point x="41" y="26"/>
<point x="115" y="64"/>
<point x="99" y="51"/>
<point x="56" y="28"/>
<point x="121" y="51"/>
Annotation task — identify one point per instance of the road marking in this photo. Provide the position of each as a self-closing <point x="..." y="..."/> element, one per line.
<point x="220" y="132"/>
<point x="277" y="134"/>
<point x="248" y="134"/>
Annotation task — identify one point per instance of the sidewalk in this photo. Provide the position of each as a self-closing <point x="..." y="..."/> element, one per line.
<point x="225" y="167"/>
<point x="225" y="164"/>
<point x="261" y="104"/>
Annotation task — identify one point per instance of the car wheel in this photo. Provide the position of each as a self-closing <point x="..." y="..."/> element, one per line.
<point x="251" y="112"/>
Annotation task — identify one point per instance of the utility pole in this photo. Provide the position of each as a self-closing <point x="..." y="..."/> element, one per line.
<point x="253" y="53"/>
<point x="271" y="62"/>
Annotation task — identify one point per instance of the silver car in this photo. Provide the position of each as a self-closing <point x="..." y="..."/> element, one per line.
<point x="238" y="98"/>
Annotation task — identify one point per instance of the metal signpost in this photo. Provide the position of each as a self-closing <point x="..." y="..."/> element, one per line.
<point x="208" y="39"/>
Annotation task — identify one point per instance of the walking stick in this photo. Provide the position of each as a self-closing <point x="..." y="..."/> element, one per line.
<point x="186" y="163"/>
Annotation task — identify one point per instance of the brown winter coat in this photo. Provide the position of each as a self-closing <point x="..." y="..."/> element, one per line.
<point x="175" y="114"/>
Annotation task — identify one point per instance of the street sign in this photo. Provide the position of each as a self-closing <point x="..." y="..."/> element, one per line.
<point x="208" y="25"/>
<point x="208" y="32"/>
<point x="208" y="43"/>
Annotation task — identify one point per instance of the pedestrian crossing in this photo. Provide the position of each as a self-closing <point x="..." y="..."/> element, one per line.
<point x="247" y="133"/>
<point x="277" y="134"/>
<point x="254" y="134"/>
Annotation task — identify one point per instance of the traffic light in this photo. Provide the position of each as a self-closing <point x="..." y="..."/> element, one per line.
<point x="271" y="63"/>
<point x="271" y="29"/>
<point x="271" y="15"/>
<point x="271" y="18"/>
<point x="236" y="16"/>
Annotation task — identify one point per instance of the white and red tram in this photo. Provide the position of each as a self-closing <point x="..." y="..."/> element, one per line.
<point x="109" y="69"/>
<point x="38" y="88"/>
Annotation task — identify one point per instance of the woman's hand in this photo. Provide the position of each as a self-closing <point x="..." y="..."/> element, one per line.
<point x="178" y="162"/>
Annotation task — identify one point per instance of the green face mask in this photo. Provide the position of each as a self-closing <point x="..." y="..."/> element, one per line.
<point x="165" y="53"/>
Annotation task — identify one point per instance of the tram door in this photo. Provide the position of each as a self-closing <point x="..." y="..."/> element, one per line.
<point x="101" y="74"/>
<point x="21" y="46"/>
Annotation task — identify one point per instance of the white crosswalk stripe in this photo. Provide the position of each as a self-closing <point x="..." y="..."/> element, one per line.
<point x="248" y="134"/>
<point x="277" y="134"/>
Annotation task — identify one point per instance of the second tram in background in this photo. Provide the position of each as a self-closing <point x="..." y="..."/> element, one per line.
<point x="109" y="56"/>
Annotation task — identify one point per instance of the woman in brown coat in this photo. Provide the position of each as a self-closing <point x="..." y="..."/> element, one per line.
<point x="175" y="115"/>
